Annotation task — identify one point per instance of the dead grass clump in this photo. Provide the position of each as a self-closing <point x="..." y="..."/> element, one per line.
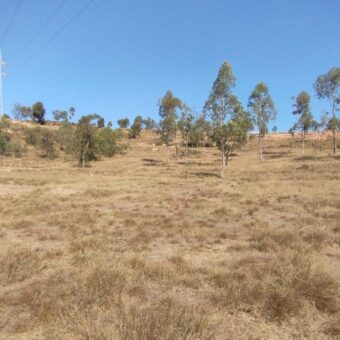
<point x="270" y="239"/>
<point x="18" y="263"/>
<point x="332" y="327"/>
<point x="278" y="287"/>
<point x="22" y="224"/>
<point x="273" y="239"/>
<point x="165" y="320"/>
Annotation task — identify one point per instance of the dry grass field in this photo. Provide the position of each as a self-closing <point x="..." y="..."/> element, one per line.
<point x="135" y="248"/>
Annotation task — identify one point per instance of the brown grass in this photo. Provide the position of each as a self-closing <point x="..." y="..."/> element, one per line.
<point x="124" y="250"/>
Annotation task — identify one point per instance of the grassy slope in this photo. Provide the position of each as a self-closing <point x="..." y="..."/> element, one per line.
<point x="134" y="249"/>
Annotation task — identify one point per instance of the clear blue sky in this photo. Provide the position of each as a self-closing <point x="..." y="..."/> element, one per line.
<point x="119" y="57"/>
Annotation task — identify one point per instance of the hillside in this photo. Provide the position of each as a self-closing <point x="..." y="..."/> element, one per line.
<point x="133" y="247"/>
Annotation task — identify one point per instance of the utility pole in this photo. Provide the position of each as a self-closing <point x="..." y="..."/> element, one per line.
<point x="1" y="75"/>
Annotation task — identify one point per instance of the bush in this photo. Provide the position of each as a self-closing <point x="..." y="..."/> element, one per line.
<point x="65" y="137"/>
<point x="32" y="136"/>
<point x="107" y="142"/>
<point x="5" y="143"/>
<point x="46" y="144"/>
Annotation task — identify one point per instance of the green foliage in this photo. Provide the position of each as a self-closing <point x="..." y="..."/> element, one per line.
<point x="233" y="134"/>
<point x="136" y="127"/>
<point x="32" y="135"/>
<point x="5" y="123"/>
<point x="168" y="110"/>
<point x="262" y="106"/>
<point x="302" y="109"/>
<point x="169" y="105"/>
<point x="21" y="112"/>
<point x="65" y="136"/>
<point x="5" y="143"/>
<point x="218" y="103"/>
<point x="47" y="143"/>
<point x="123" y="123"/>
<point x="85" y="142"/>
<point x="168" y="129"/>
<point x="38" y="113"/>
<point x="149" y="124"/>
<point x="64" y="116"/>
<point x="100" y="122"/>
<point x="107" y="142"/>
<point x="327" y="86"/>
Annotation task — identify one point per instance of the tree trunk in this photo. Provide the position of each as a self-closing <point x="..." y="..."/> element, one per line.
<point x="223" y="159"/>
<point x="333" y="130"/>
<point x="260" y="147"/>
<point x="167" y="153"/>
<point x="303" y="143"/>
<point x="186" y="150"/>
<point x="84" y="154"/>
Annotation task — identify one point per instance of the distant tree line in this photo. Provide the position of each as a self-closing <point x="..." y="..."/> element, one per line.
<point x="223" y="122"/>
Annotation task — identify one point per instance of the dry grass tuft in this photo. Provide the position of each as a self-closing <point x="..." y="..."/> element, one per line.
<point x="18" y="263"/>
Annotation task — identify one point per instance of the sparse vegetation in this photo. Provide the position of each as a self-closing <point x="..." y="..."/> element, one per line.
<point x="112" y="252"/>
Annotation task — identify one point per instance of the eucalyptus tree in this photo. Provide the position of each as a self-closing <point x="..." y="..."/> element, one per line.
<point x="305" y="121"/>
<point x="218" y="105"/>
<point x="169" y="107"/>
<point x="186" y="126"/>
<point x="234" y="133"/>
<point x="64" y="116"/>
<point x="327" y="86"/>
<point x="262" y="107"/>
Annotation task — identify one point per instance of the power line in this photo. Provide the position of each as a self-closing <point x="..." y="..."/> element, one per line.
<point x="10" y="22"/>
<point x="39" y="31"/>
<point x="55" y="35"/>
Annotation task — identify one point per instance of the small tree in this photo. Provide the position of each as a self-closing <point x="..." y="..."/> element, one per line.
<point x="21" y="112"/>
<point x="263" y="109"/>
<point x="123" y="123"/>
<point x="186" y="126"/>
<point x="233" y="134"/>
<point x="47" y="144"/>
<point x="168" y="111"/>
<point x="149" y="123"/>
<point x="136" y="127"/>
<point x="107" y="142"/>
<point x="64" y="116"/>
<point x="86" y="142"/>
<point x="100" y="122"/>
<point x="327" y="86"/>
<point x="38" y="113"/>
<point x="305" y="121"/>
<point x="218" y="105"/>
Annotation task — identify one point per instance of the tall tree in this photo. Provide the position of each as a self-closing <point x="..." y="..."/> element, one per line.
<point x="218" y="105"/>
<point x="327" y="86"/>
<point x="168" y="111"/>
<point x="263" y="109"/>
<point x="38" y="112"/>
<point x="149" y="123"/>
<point x="186" y="126"/>
<point x="305" y="121"/>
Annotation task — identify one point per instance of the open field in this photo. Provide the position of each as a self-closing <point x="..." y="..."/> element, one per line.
<point x="135" y="248"/>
